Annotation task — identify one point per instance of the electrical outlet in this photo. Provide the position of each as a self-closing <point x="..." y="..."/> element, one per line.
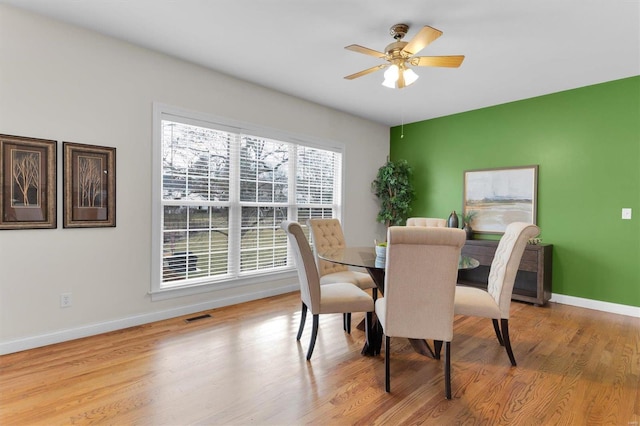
<point x="65" y="300"/>
<point x="626" y="213"/>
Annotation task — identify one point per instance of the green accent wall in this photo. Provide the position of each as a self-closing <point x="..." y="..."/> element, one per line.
<point x="586" y="142"/>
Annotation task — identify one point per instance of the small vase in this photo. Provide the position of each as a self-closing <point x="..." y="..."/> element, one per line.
<point x="469" y="231"/>
<point x="452" y="222"/>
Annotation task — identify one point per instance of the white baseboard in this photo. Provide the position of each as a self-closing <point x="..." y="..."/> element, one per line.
<point x="105" y="327"/>
<point x="118" y="324"/>
<point x="614" y="308"/>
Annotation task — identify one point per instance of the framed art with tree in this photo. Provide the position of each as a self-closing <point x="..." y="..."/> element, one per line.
<point x="28" y="183"/>
<point x="89" y="186"/>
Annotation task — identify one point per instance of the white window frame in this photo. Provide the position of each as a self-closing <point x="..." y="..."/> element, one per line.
<point x="162" y="112"/>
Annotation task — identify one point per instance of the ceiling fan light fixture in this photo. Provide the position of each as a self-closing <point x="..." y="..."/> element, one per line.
<point x="409" y="76"/>
<point x="391" y="77"/>
<point x="399" y="55"/>
<point x="392" y="74"/>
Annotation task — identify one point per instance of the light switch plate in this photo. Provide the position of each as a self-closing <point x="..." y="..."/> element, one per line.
<point x="626" y="213"/>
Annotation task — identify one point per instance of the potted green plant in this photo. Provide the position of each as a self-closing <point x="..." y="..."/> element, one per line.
<point x="393" y="188"/>
<point x="467" y="218"/>
<point x="381" y="249"/>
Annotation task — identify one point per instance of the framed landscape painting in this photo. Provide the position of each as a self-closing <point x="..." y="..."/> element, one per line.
<point x="27" y="183"/>
<point x="497" y="197"/>
<point x="89" y="186"/>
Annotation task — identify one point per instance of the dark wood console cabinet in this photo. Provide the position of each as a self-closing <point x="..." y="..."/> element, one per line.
<point x="533" y="281"/>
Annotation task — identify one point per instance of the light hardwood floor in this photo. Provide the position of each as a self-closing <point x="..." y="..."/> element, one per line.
<point x="243" y="366"/>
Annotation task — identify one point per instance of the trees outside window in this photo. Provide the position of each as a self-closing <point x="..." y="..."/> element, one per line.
<point x="225" y="192"/>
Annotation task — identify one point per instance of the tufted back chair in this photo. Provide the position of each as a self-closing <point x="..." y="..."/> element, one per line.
<point x="327" y="234"/>
<point x="495" y="302"/>
<point x="427" y="221"/>
<point x="506" y="261"/>
<point x="336" y="297"/>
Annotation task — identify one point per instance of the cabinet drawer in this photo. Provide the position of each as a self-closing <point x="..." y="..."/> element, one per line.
<point x="529" y="261"/>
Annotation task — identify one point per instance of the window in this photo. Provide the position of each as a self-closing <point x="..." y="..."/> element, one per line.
<point x="220" y="194"/>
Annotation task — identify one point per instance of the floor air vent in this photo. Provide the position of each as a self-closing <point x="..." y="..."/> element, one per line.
<point x="199" y="317"/>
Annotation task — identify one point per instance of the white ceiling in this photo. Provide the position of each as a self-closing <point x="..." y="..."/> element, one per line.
<point x="514" y="49"/>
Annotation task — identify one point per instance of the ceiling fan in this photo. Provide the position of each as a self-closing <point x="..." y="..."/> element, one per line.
<point x="401" y="54"/>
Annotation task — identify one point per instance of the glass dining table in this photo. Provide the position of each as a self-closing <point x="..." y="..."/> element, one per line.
<point x="365" y="257"/>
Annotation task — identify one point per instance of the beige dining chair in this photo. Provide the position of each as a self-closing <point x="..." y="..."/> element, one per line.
<point x="327" y="234"/>
<point x="427" y="221"/>
<point x="420" y="283"/>
<point x="337" y="297"/>
<point x="495" y="302"/>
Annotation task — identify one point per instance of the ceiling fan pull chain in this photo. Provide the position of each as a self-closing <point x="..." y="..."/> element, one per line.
<point x="402" y="120"/>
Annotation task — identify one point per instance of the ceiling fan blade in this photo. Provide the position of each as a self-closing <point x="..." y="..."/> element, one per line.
<point x="421" y="40"/>
<point x="452" y="61"/>
<point x="365" y="50"/>
<point x="367" y="71"/>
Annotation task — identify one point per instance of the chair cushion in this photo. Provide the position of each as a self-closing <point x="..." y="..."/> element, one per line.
<point x="361" y="279"/>
<point x="343" y="297"/>
<point x="381" y="311"/>
<point x="476" y="302"/>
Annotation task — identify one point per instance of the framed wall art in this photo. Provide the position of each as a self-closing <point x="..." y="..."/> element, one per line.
<point x="28" y="183"/>
<point x="89" y="186"/>
<point x="498" y="197"/>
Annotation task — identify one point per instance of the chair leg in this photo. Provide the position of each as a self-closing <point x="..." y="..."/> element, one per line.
<point x="496" y="328"/>
<point x="437" y="347"/>
<point x="507" y="342"/>
<point x="303" y="317"/>
<point x="314" y="334"/>
<point x="447" y="369"/>
<point x="346" y="322"/>
<point x="387" y="356"/>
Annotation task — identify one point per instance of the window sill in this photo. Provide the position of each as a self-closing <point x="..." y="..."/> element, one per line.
<point x="282" y="279"/>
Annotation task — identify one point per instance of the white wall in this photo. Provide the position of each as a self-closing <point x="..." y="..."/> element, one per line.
<point x="64" y="83"/>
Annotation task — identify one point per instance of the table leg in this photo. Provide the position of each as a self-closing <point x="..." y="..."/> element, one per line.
<point x="377" y="275"/>
<point x="422" y="347"/>
<point x="373" y="328"/>
<point x="373" y="341"/>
